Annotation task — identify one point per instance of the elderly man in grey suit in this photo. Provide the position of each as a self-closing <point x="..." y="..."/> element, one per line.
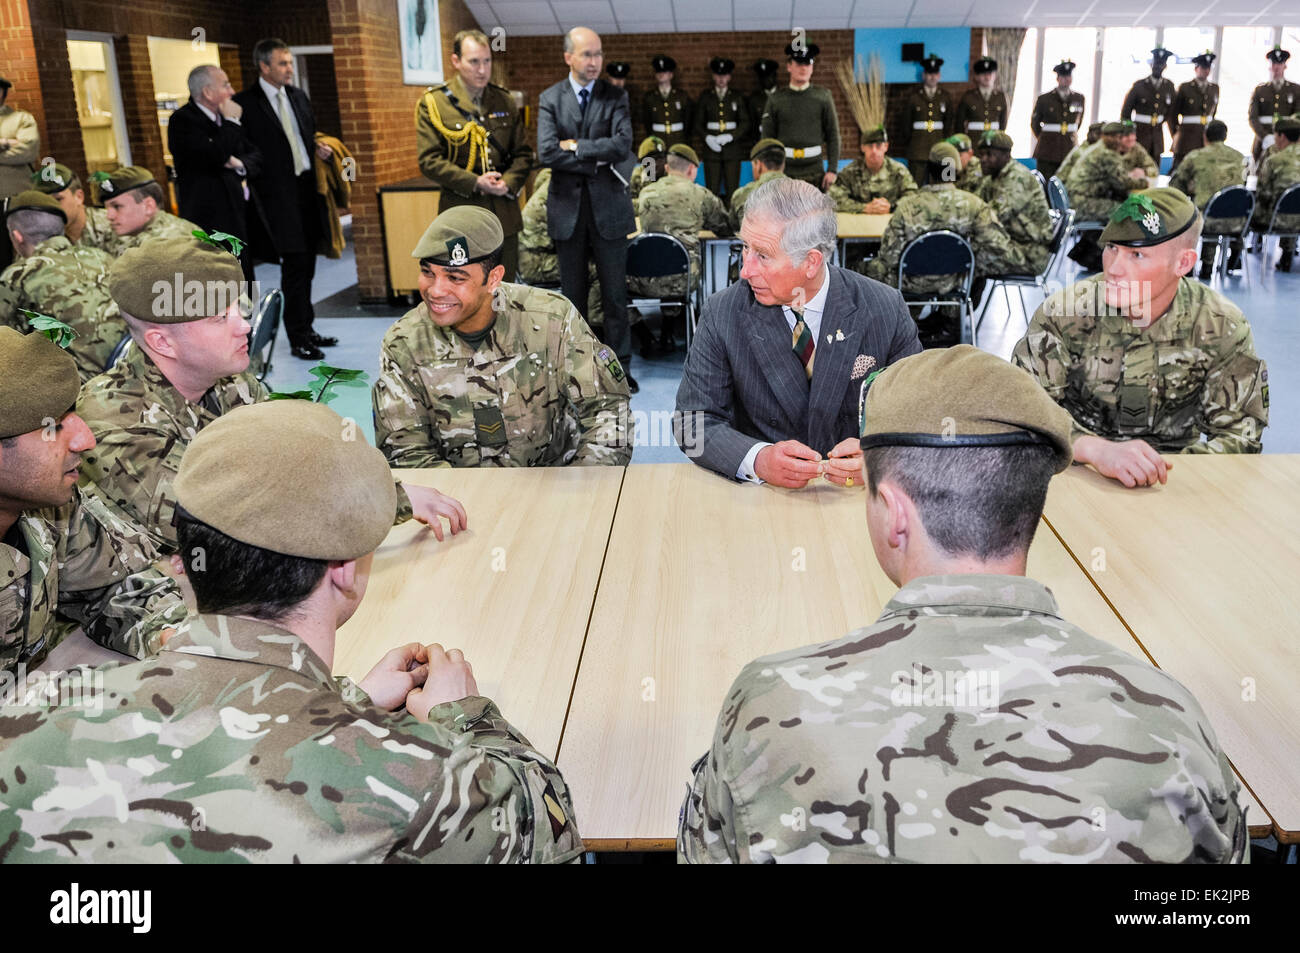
<point x="772" y="380"/>
<point x="584" y="134"/>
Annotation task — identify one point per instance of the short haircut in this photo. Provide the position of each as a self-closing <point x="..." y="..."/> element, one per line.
<point x="772" y="158"/>
<point x="490" y="262"/>
<point x="8" y="442"/>
<point x="1190" y="239"/>
<point x="200" y="78"/>
<point x="264" y="48"/>
<point x="568" y="40"/>
<point x="1216" y="132"/>
<point x="942" y="171"/>
<point x="478" y="36"/>
<point x="234" y="578"/>
<point x="153" y="190"/>
<point x="35" y="224"/>
<point x="679" y="163"/>
<point x="805" y="213"/>
<point x="978" y="501"/>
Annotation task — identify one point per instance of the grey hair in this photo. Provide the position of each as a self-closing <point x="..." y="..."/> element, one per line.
<point x="805" y="213"/>
<point x="200" y="78"/>
<point x="568" y="40"/>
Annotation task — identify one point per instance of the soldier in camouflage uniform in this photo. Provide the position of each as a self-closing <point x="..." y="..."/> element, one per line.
<point x="143" y="419"/>
<point x="1077" y="153"/>
<point x="968" y="179"/>
<point x="87" y="225"/>
<point x="970" y="723"/>
<point x="133" y="204"/>
<point x="1146" y="359"/>
<point x="538" y="264"/>
<point x="236" y="744"/>
<point x="936" y="206"/>
<point x="1014" y="194"/>
<point x="874" y="183"/>
<point x="650" y="165"/>
<point x="767" y="162"/>
<point x="67" y="558"/>
<point x="1277" y="173"/>
<point x="486" y="373"/>
<point x="1099" y="182"/>
<point x="1201" y="174"/>
<point x="55" y="277"/>
<point x="1135" y="156"/>
<point x="677" y="206"/>
<point x="802" y="116"/>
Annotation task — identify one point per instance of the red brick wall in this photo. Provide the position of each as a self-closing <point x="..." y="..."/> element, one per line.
<point x="18" y="61"/>
<point x="378" y="114"/>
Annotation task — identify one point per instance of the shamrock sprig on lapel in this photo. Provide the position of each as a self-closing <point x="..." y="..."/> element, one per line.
<point x="218" y="238"/>
<point x="326" y="377"/>
<point x="54" y="329"/>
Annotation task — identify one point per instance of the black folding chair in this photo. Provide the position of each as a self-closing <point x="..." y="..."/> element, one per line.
<point x="1288" y="203"/>
<point x="265" y="320"/>
<point x="660" y="255"/>
<point x="1059" y="199"/>
<point x="120" y="351"/>
<point x="933" y="254"/>
<point x="1234" y="201"/>
<point x="1041" y="181"/>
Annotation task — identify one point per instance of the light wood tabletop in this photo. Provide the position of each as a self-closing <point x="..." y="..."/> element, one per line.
<point x="701" y="577"/>
<point x="514" y="592"/>
<point x="1204" y="572"/>
<point x="860" y="225"/>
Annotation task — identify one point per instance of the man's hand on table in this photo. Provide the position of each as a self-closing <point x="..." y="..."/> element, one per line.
<point x="1131" y="462"/>
<point x="450" y="678"/>
<point x="788" y="463"/>
<point x="843" y="465"/>
<point x="431" y="507"/>
<point x="396" y="675"/>
<point x="877" y="206"/>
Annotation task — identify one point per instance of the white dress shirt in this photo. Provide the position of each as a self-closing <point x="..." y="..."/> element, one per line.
<point x="812" y="317"/>
<point x="273" y="95"/>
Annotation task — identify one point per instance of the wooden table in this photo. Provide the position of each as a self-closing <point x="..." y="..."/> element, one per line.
<point x="514" y="591"/>
<point x="701" y="577"/>
<point x="1203" y="572"/>
<point x="860" y="225"/>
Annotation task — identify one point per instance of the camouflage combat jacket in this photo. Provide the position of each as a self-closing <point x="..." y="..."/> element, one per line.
<point x="856" y="185"/>
<point x="679" y="208"/>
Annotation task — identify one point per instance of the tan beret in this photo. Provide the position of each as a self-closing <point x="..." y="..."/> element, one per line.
<point x="962" y="397"/>
<point x="763" y="145"/>
<point x="35" y="201"/>
<point x="38" y="382"/>
<point x="175" y="280"/>
<point x="292" y="477"/>
<point x="945" y="152"/>
<point x="460" y="236"/>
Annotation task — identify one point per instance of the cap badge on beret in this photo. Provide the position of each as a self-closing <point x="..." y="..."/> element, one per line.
<point x="458" y="250"/>
<point x="1140" y="209"/>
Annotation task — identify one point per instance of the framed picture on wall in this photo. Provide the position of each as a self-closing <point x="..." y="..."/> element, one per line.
<point x="421" y="42"/>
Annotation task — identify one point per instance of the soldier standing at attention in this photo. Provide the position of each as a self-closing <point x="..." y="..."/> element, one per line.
<point x="1272" y="100"/>
<point x="1203" y="172"/>
<point x="803" y="117"/>
<point x="983" y="107"/>
<point x="1277" y="173"/>
<point x="490" y="374"/>
<point x="928" y="118"/>
<point x="267" y="756"/>
<point x="1055" y="120"/>
<point x="722" y="124"/>
<point x="1017" y="198"/>
<point x="87" y="225"/>
<point x="1150" y="104"/>
<point x="665" y="110"/>
<point x="922" y="737"/>
<point x="1195" y="105"/>
<point x="60" y="279"/>
<point x="1146" y="359"/>
<point x="67" y="558"/>
<point x="874" y="183"/>
<point x="765" y="71"/>
<point x="473" y="144"/>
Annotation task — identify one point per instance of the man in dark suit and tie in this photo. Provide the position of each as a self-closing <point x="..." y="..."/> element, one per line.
<point x="213" y="158"/>
<point x="584" y="134"/>
<point x="278" y="120"/>
<point x="773" y="377"/>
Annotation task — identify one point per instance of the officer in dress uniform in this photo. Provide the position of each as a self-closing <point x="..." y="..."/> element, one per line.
<point x="1195" y="104"/>
<point x="765" y="71"/>
<point x="722" y="124"/>
<point x="1150" y="104"/>
<point x="928" y="118"/>
<point x="1055" y="120"/>
<point x="1272" y="100"/>
<point x="803" y="117"/>
<point x="473" y="144"/>
<point x="666" y="110"/>
<point x="983" y="106"/>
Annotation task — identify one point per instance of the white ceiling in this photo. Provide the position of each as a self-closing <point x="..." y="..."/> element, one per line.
<point x="553" y="17"/>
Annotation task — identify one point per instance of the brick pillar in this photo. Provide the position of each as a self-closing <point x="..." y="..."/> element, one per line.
<point x="143" y="132"/>
<point x="61" y="134"/>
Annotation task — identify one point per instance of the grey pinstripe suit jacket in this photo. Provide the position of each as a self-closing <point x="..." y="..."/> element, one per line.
<point x="743" y="383"/>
